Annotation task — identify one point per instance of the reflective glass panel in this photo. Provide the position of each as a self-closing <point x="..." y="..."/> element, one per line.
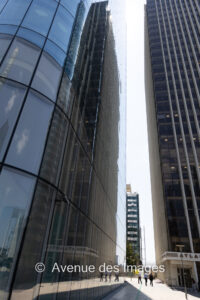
<point x="28" y="142"/>
<point x="70" y="5"/>
<point x="14" y="11"/>
<point x="31" y="36"/>
<point x="11" y="97"/>
<point x="2" y="3"/>
<point x="10" y="29"/>
<point x="51" y="164"/>
<point x="26" y="279"/>
<point x="54" y="252"/>
<point x="15" y="197"/>
<point x="4" y="42"/>
<point x="20" y="61"/>
<point x="40" y="15"/>
<point x="61" y="28"/>
<point x="47" y="77"/>
<point x="66" y="95"/>
<point x="75" y="41"/>
<point x="55" y="52"/>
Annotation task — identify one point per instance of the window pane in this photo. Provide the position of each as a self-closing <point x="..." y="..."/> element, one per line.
<point x="51" y="164"/>
<point x="11" y="97"/>
<point x="20" y="61"/>
<point x="55" y="52"/>
<point x="14" y="12"/>
<point x="10" y="29"/>
<point x="56" y="241"/>
<point x="15" y="198"/>
<point x="61" y="28"/>
<point x="28" y="142"/>
<point x="2" y="3"/>
<point x="31" y="36"/>
<point x="4" y="42"/>
<point x="66" y="95"/>
<point x="26" y="279"/>
<point x="70" y="5"/>
<point x="47" y="77"/>
<point x="40" y="15"/>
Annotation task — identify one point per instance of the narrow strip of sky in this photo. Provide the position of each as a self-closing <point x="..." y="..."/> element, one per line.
<point x="138" y="173"/>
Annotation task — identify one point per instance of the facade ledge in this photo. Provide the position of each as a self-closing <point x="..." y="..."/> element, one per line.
<point x="180" y="256"/>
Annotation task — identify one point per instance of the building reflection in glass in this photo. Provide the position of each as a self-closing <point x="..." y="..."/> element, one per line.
<point x="62" y="176"/>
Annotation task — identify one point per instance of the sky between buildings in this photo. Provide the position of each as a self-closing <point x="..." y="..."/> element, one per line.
<point x="138" y="174"/>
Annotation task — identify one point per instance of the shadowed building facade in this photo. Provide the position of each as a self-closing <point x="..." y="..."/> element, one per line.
<point x="60" y="178"/>
<point x="173" y="113"/>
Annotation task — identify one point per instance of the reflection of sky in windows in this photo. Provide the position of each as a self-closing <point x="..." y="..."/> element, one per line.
<point x="35" y="27"/>
<point x="4" y="41"/>
<point x="15" y="198"/>
<point x="61" y="28"/>
<point x="70" y="5"/>
<point x="11" y="102"/>
<point x="30" y="135"/>
<point x="20" y="61"/>
<point x="47" y="77"/>
<point x="22" y="140"/>
<point x="40" y="15"/>
<point x="2" y="3"/>
<point x="11" y="97"/>
<point x="31" y="36"/>
<point x="14" y="12"/>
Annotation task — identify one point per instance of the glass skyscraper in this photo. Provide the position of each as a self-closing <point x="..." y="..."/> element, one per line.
<point x="173" y="112"/>
<point x="133" y="220"/>
<point x="62" y="182"/>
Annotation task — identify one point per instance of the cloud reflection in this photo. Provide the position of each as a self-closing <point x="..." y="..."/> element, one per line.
<point x="23" y="140"/>
<point x="10" y="104"/>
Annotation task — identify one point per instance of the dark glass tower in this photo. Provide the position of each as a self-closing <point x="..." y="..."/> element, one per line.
<point x="173" y="111"/>
<point x="60" y="168"/>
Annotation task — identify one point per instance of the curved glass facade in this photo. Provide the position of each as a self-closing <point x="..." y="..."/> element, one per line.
<point x="62" y="120"/>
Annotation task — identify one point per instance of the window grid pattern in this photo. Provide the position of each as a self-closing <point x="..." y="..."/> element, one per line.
<point x="133" y="221"/>
<point x="50" y="151"/>
<point x="174" y="49"/>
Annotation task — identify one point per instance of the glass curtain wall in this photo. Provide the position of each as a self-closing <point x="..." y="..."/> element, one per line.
<point x="59" y="148"/>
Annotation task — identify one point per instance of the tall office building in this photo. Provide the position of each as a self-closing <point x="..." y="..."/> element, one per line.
<point x="62" y="184"/>
<point x="173" y="112"/>
<point x="133" y="220"/>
